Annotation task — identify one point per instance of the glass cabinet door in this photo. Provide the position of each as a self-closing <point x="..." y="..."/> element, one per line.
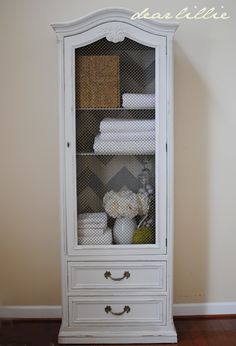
<point x="117" y="145"/>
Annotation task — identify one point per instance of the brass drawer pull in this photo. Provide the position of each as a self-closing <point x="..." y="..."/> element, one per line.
<point x="109" y="309"/>
<point x="125" y="275"/>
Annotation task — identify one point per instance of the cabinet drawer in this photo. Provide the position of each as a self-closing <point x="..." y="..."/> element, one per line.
<point x="117" y="309"/>
<point x="150" y="275"/>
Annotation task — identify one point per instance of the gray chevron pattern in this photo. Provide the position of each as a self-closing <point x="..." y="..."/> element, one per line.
<point x="95" y="177"/>
<point x="138" y="72"/>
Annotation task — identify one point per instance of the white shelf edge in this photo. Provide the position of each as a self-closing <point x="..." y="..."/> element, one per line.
<point x="113" y="109"/>
<point x="114" y="154"/>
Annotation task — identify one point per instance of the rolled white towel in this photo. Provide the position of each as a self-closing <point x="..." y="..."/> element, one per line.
<point x="126" y="125"/>
<point x="105" y="239"/>
<point x="124" y="148"/>
<point x="126" y="136"/>
<point x="138" y="100"/>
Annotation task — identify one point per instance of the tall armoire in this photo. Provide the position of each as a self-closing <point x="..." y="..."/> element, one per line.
<point x="116" y="178"/>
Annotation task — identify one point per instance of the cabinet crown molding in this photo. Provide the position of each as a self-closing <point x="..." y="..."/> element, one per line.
<point x="107" y="15"/>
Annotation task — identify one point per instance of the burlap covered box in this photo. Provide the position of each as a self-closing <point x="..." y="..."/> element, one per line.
<point x="97" y="81"/>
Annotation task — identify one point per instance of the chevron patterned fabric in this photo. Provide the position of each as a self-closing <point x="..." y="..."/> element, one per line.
<point x="97" y="175"/>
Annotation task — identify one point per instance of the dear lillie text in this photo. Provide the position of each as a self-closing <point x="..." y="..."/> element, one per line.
<point x="185" y="13"/>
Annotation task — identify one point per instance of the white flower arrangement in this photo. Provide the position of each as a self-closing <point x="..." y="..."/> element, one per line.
<point x="126" y="203"/>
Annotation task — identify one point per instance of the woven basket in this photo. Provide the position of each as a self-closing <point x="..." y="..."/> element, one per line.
<point x="97" y="81"/>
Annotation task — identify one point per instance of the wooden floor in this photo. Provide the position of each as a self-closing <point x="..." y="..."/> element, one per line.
<point x="191" y="331"/>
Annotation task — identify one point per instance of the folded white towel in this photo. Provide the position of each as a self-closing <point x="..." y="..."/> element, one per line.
<point x="138" y="100"/>
<point x="125" y="136"/>
<point x="92" y="221"/>
<point x="91" y="232"/>
<point x="95" y="225"/>
<point x="105" y="239"/>
<point x="126" y="125"/>
<point x="92" y="225"/>
<point x="124" y="148"/>
<point x="92" y="217"/>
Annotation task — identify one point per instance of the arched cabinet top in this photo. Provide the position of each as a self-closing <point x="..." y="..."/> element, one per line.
<point x="108" y="15"/>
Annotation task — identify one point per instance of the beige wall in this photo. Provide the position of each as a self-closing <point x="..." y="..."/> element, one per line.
<point x="205" y="142"/>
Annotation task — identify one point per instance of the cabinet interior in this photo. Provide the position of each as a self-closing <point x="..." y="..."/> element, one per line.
<point x="98" y="174"/>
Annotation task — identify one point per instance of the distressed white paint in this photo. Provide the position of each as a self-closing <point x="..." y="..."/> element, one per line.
<point x="143" y="275"/>
<point x="150" y="294"/>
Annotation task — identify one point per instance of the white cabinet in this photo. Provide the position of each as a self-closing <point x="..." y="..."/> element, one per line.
<point x="116" y="275"/>
<point x="116" y="168"/>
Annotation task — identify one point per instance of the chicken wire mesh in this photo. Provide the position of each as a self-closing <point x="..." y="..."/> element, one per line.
<point x="116" y="138"/>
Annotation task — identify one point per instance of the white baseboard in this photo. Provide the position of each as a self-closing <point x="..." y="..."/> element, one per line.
<point x="201" y="309"/>
<point x="31" y="311"/>
<point x="54" y="311"/>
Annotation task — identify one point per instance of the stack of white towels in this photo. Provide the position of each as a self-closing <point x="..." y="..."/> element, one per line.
<point x="93" y="230"/>
<point x="125" y="136"/>
<point x="138" y="100"/>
